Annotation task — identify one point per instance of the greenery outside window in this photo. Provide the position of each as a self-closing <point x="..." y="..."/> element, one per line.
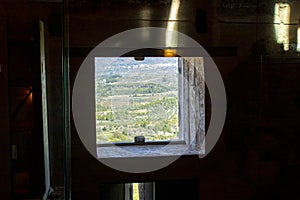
<point x="158" y="98"/>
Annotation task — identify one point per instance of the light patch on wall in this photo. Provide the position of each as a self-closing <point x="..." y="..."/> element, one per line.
<point x="29" y="94"/>
<point x="169" y="53"/>
<point x="30" y="97"/>
<point x="145" y="16"/>
<point x="298" y="39"/>
<point x="281" y="23"/>
<point x="135" y="188"/>
<point x="171" y="37"/>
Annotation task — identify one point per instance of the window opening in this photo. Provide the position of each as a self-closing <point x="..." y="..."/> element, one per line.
<point x="136" y="97"/>
<point x="149" y="100"/>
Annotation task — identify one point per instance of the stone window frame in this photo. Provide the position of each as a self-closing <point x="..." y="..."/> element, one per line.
<point x="191" y="97"/>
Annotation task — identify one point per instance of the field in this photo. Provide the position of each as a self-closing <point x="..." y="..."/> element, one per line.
<point x="136" y="98"/>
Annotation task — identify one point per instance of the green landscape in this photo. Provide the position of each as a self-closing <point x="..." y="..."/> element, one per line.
<point x="136" y="98"/>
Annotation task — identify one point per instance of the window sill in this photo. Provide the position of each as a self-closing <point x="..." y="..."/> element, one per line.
<point x="145" y="150"/>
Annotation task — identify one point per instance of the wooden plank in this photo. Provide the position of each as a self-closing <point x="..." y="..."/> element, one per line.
<point x="218" y="51"/>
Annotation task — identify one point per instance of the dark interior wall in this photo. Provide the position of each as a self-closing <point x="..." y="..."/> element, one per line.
<point x="4" y="116"/>
<point x="86" y="30"/>
<point x="177" y="190"/>
<point x="255" y="156"/>
<point x="21" y="62"/>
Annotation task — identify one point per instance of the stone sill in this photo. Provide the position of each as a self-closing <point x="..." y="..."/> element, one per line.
<point x="138" y="151"/>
